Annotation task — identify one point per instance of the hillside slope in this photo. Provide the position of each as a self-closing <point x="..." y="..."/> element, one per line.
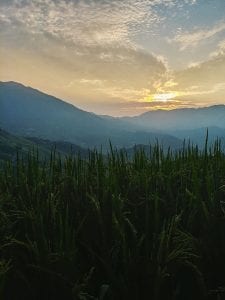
<point x="11" y="144"/>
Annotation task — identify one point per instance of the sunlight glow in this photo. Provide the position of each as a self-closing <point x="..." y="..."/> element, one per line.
<point x="164" y="97"/>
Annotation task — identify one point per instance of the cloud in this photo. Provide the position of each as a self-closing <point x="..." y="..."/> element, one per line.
<point x="121" y="108"/>
<point x="202" y="83"/>
<point x="190" y="39"/>
<point x="220" y="49"/>
<point x="92" y="22"/>
<point x="205" y="74"/>
<point x="82" y="22"/>
<point x="89" y="44"/>
<point x="87" y="52"/>
<point x="78" y="73"/>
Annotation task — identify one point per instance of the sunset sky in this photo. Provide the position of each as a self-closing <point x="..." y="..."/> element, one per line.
<point x="117" y="57"/>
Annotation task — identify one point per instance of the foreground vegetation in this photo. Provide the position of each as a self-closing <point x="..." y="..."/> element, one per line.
<point x="147" y="227"/>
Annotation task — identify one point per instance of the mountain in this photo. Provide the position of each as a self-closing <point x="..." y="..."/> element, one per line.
<point x="62" y="148"/>
<point x="182" y="119"/>
<point x="187" y="123"/>
<point x="198" y="135"/>
<point x="11" y="144"/>
<point x="30" y="112"/>
<point x="27" y="112"/>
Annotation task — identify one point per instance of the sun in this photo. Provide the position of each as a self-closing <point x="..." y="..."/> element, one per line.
<point x="164" y="97"/>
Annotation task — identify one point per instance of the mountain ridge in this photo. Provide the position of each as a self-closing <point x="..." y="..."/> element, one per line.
<point x="30" y="113"/>
<point x="184" y="118"/>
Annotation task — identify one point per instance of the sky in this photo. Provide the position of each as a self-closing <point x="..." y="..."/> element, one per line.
<point x="117" y="57"/>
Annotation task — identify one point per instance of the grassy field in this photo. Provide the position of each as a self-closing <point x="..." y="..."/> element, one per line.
<point x="112" y="227"/>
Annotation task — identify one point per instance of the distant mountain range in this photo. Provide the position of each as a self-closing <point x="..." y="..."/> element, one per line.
<point x="188" y="123"/>
<point x="45" y="120"/>
<point x="182" y="119"/>
<point x="27" y="112"/>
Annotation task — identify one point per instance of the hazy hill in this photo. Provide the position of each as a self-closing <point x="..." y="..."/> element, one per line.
<point x="182" y="119"/>
<point x="28" y="112"/>
<point x="11" y="144"/>
<point x="63" y="148"/>
<point x="198" y="136"/>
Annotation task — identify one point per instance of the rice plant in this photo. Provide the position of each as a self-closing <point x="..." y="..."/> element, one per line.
<point x="144" y="226"/>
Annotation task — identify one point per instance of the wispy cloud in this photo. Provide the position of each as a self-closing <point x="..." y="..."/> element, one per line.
<point x="220" y="50"/>
<point x="193" y="38"/>
<point x="202" y="83"/>
<point x="117" y="108"/>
